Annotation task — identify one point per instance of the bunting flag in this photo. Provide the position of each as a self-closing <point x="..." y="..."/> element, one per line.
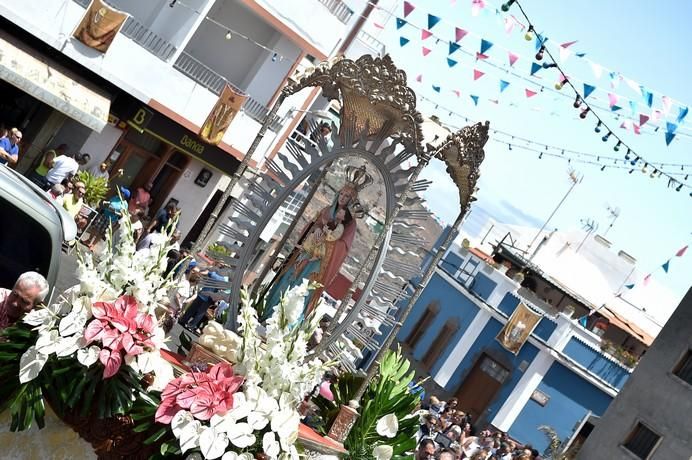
<point x="629" y="286"/>
<point x="667" y="104"/>
<point x="512" y="59"/>
<point x="615" y="108"/>
<point x="378" y="25"/>
<point x="408" y="8"/>
<point x="671" y="127"/>
<point x="643" y="119"/>
<point x="635" y="128"/>
<point x="459" y="34"/>
<point x="669" y="137"/>
<point x="535" y="68"/>
<point x="581" y="55"/>
<point x="453" y="47"/>
<point x="597" y="70"/>
<point x="481" y="56"/>
<point x="436" y="88"/>
<point x="633" y="109"/>
<point x="476" y="7"/>
<point x="540" y="41"/>
<point x="432" y="21"/>
<point x="451" y="62"/>
<point x="681" y="115"/>
<point x="503" y="85"/>
<point x="403" y="41"/>
<point x="426" y="51"/>
<point x="530" y="93"/>
<point x="614" y="79"/>
<point x="400" y="23"/>
<point x="477" y="74"/>
<point x="588" y="89"/>
<point x="568" y="44"/>
<point x="419" y="78"/>
<point x="457" y="92"/>
<point x="681" y="251"/>
<point x="565" y="53"/>
<point x="475" y="99"/>
<point x="666" y="265"/>
<point x="647" y="278"/>
<point x="425" y="34"/>
<point x="612" y="99"/>
<point x="655" y="115"/>
<point x="647" y="95"/>
<point x="485" y="45"/>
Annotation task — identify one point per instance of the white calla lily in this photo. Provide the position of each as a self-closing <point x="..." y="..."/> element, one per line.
<point x="285" y="423"/>
<point x="88" y="356"/>
<point x="30" y="364"/>
<point x="270" y="445"/>
<point x="388" y="426"/>
<point x="383" y="452"/>
<point x="242" y="435"/>
<point x="212" y="443"/>
<point x="189" y="435"/>
<point x="180" y="420"/>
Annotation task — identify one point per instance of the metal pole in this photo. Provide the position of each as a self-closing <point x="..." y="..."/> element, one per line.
<point x="545" y="224"/>
<point x="212" y="222"/>
<point x="411" y="302"/>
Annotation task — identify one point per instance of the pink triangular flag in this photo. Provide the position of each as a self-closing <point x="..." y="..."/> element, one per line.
<point x="378" y="25"/>
<point x="568" y="44"/>
<point x="655" y="115"/>
<point x="667" y="104"/>
<point x="509" y="25"/>
<point x="565" y="53"/>
<point x="625" y="125"/>
<point x="512" y="58"/>
<point x="612" y="99"/>
<point x="643" y="119"/>
<point x="459" y="34"/>
<point x="477" y="74"/>
<point x="530" y="93"/>
<point x="647" y="278"/>
<point x="681" y="251"/>
<point x="481" y="56"/>
<point x="457" y="92"/>
<point x="635" y="128"/>
<point x="426" y="51"/>
<point x="408" y="7"/>
<point x="419" y="78"/>
<point x="477" y="6"/>
<point x="425" y="34"/>
<point x="597" y="70"/>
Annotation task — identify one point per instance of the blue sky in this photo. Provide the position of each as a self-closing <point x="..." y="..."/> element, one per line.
<point x="643" y="41"/>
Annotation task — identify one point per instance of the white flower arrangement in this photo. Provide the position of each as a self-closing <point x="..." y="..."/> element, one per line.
<point x="109" y="316"/>
<point x="235" y="420"/>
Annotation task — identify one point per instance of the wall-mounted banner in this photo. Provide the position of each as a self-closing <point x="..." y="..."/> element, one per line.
<point x="518" y="328"/>
<point x="99" y="25"/>
<point x="220" y="118"/>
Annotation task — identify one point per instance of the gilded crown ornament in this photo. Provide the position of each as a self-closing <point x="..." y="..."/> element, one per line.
<point x="358" y="177"/>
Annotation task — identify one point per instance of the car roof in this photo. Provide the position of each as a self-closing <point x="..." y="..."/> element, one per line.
<point x="26" y="193"/>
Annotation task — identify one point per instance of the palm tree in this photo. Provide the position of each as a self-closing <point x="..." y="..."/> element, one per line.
<point x="557" y="448"/>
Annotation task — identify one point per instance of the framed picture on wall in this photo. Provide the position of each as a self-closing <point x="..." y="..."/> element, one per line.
<point x="203" y="177"/>
<point x="540" y="397"/>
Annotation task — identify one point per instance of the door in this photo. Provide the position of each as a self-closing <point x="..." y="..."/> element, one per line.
<point x="481" y="385"/>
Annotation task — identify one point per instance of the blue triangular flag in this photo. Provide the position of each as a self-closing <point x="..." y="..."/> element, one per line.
<point x="400" y="23"/>
<point x="580" y="54"/>
<point x="475" y="99"/>
<point x="503" y="85"/>
<point x="485" y="45"/>
<point x="583" y="320"/>
<point x="666" y="266"/>
<point x="432" y="21"/>
<point x="453" y="47"/>
<point x="535" y="67"/>
<point x="633" y="107"/>
<point x="648" y="96"/>
<point x="615" y="108"/>
<point x="436" y="88"/>
<point x="629" y="286"/>
<point x="403" y="41"/>
<point x="451" y="62"/>
<point x="682" y="114"/>
<point x="671" y="127"/>
<point x="588" y="89"/>
<point x="669" y="137"/>
<point x="540" y="41"/>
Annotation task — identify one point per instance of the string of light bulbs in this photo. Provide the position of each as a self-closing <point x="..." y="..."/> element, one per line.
<point x="585" y="107"/>
<point x="230" y="33"/>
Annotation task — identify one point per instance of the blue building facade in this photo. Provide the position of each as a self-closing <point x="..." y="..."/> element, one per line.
<point x="558" y="378"/>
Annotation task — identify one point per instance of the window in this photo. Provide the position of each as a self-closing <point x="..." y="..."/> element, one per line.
<point x="494" y="369"/>
<point x="422" y="325"/>
<point x="442" y="339"/>
<point x="684" y="368"/>
<point x="642" y="441"/>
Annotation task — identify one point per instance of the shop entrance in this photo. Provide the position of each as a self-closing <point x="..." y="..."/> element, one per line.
<point x="481" y="385"/>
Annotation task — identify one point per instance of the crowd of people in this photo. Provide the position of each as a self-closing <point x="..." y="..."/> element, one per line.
<point x="447" y="433"/>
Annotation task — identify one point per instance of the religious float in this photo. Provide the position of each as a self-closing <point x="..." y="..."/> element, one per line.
<point x="96" y="361"/>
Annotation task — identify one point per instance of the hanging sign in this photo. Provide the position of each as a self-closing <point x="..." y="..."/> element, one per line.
<point x="99" y="25"/>
<point x="219" y="119"/>
<point x="518" y="328"/>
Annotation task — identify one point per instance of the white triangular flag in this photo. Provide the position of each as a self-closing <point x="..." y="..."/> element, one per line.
<point x="597" y="70"/>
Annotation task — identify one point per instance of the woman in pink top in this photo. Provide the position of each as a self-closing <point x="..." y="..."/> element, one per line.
<point x="141" y="199"/>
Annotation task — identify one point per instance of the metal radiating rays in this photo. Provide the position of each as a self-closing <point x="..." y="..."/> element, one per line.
<point x="264" y="197"/>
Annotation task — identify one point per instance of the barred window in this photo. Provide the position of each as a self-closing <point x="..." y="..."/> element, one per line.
<point x="684" y="368"/>
<point x="642" y="441"/>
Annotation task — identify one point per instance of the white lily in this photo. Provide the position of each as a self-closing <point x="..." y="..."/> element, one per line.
<point x="212" y="443"/>
<point x="285" y="423"/>
<point x="88" y="356"/>
<point x="270" y="445"/>
<point x="388" y="426"/>
<point x="189" y="435"/>
<point x="383" y="452"/>
<point x="242" y="435"/>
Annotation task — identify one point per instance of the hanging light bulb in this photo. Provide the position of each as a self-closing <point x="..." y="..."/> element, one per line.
<point x="540" y="155"/>
<point x="678" y="188"/>
<point x="577" y="102"/>
<point x="653" y="173"/>
<point x="644" y="167"/>
<point x="617" y="146"/>
<point x="548" y="65"/>
<point x="598" y="126"/>
<point x="529" y="34"/>
<point x="228" y="35"/>
<point x="539" y="55"/>
<point x="603" y="168"/>
<point x="274" y="57"/>
<point x="510" y="147"/>
<point x="634" y="162"/>
<point x="506" y="6"/>
<point x="631" y="171"/>
<point x="560" y="84"/>
<point x="686" y="176"/>
<point x="584" y="112"/>
<point x="627" y="155"/>
<point x="606" y="137"/>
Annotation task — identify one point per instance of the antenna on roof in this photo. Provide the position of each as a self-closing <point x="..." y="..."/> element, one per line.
<point x="613" y="213"/>
<point x="589" y="226"/>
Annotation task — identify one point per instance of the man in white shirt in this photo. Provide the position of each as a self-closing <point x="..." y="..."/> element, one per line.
<point x="64" y="166"/>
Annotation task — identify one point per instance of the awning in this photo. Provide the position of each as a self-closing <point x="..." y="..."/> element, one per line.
<point x="44" y="81"/>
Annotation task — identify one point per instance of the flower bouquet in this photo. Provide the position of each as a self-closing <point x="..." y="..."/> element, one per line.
<point x="251" y="408"/>
<point x="90" y="351"/>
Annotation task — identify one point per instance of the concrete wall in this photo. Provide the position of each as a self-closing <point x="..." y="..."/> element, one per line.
<point x="99" y="145"/>
<point x="654" y="396"/>
<point x="571" y="398"/>
<point x="597" y="363"/>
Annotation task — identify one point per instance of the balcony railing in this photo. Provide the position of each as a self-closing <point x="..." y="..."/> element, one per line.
<point x="215" y="83"/>
<point x="372" y="42"/>
<point x="339" y="9"/>
<point x="144" y="37"/>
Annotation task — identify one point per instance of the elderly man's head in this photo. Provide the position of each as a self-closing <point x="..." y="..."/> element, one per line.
<point x="30" y="290"/>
